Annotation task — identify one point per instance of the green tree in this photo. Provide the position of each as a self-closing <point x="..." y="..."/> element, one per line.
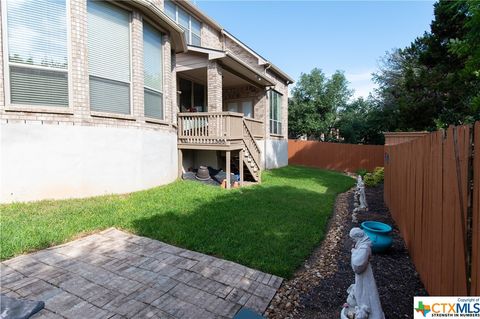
<point x="362" y="121"/>
<point x="432" y="83"/>
<point x="314" y="103"/>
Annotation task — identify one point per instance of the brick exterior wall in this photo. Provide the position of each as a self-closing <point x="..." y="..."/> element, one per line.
<point x="78" y="80"/>
<point x="137" y="76"/>
<point x="80" y="114"/>
<point x="211" y="38"/>
<point x="247" y="92"/>
<point x="243" y="54"/>
<point x="214" y="87"/>
<point x="79" y="111"/>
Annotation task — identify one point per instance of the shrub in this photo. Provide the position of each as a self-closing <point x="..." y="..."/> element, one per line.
<point x="362" y="172"/>
<point x="378" y="175"/>
<point x="375" y="178"/>
<point x="369" y="180"/>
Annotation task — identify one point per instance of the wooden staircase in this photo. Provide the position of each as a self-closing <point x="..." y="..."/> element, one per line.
<point x="251" y="153"/>
<point x="228" y="132"/>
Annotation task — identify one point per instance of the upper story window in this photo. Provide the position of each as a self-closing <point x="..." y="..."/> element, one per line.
<point x="109" y="57"/>
<point x="191" y="26"/>
<point x="37" y="40"/>
<point x="152" y="72"/>
<point x="275" y="112"/>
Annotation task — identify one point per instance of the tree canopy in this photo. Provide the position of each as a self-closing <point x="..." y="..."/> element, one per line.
<point x="315" y="102"/>
<point x="434" y="82"/>
<point x="430" y="84"/>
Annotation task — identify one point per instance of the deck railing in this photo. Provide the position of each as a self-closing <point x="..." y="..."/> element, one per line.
<point x="210" y="127"/>
<point x="255" y="126"/>
<point x="250" y="144"/>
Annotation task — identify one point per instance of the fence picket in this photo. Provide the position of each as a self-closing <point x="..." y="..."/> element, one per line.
<point x="335" y="156"/>
<point x="426" y="190"/>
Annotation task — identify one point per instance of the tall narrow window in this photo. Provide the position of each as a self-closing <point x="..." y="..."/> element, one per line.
<point x="191" y="26"/>
<point x="37" y="52"/>
<point x="171" y="9"/>
<point x="109" y="57"/>
<point x="275" y="112"/>
<point x="152" y="64"/>
<point x="195" y="32"/>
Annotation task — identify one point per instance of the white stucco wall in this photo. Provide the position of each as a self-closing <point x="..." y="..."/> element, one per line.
<point x="276" y="153"/>
<point x="40" y="161"/>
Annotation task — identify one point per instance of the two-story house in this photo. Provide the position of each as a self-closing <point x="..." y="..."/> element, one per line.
<point x="104" y="97"/>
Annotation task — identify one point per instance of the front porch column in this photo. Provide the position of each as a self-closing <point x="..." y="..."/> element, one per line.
<point x="240" y="165"/>
<point x="180" y="164"/>
<point x="214" y="87"/>
<point x="228" y="168"/>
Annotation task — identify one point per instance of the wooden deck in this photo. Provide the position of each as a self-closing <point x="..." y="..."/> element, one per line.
<point x="224" y="131"/>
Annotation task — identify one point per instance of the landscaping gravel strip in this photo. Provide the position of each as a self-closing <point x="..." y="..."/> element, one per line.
<point x="318" y="288"/>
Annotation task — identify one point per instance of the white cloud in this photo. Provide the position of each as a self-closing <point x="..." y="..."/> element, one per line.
<point x="361" y="82"/>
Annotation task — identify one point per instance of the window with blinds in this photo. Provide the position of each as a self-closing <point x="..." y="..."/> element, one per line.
<point x="275" y="112"/>
<point x="37" y="52"/>
<point x="191" y="26"/>
<point x="152" y="70"/>
<point x="109" y="57"/>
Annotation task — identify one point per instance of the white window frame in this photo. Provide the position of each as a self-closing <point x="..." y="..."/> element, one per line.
<point x="68" y="109"/>
<point x="130" y="64"/>
<point x="192" y="94"/>
<point x="239" y="102"/>
<point x="270" y="120"/>
<point x="164" y="78"/>
<point x="190" y="16"/>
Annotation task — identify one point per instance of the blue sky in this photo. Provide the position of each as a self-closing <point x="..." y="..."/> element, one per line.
<point x="332" y="35"/>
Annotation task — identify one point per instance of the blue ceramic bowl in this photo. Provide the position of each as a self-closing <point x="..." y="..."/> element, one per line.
<point x="379" y="234"/>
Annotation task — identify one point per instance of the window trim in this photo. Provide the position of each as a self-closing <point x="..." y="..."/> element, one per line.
<point x="36" y="108"/>
<point x="190" y="16"/>
<point x="94" y="113"/>
<point x="270" y="93"/>
<point x="192" y="81"/>
<point x="162" y="91"/>
<point x="240" y="101"/>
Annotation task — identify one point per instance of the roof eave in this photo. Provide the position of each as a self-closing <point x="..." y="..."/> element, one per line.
<point x="199" y="13"/>
<point x="282" y="74"/>
<point x="157" y="14"/>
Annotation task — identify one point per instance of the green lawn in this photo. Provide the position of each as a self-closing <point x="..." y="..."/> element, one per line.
<point x="272" y="227"/>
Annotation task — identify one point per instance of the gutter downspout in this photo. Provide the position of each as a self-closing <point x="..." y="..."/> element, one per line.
<point x="224" y="44"/>
<point x="267" y="118"/>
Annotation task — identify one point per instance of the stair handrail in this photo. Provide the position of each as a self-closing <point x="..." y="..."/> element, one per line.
<point x="247" y="135"/>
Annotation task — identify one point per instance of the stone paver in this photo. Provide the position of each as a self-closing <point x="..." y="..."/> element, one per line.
<point x="114" y="274"/>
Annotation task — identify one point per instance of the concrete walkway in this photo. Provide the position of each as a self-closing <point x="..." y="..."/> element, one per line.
<point x="114" y="274"/>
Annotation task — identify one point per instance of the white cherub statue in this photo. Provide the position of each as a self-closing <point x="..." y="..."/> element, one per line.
<point x="363" y="301"/>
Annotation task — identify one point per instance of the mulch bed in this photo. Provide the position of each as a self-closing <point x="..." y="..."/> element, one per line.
<point x="318" y="288"/>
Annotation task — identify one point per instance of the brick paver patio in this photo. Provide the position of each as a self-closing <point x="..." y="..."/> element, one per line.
<point x="114" y="274"/>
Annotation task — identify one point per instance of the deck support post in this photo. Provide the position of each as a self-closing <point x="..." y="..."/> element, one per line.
<point x="228" y="168"/>
<point x="240" y="166"/>
<point x="180" y="163"/>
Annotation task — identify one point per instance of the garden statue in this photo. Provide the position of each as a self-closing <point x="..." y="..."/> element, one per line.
<point x="360" y="201"/>
<point x="361" y="193"/>
<point x="363" y="300"/>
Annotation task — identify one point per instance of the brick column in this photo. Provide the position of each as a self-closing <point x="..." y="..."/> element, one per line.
<point x="79" y="86"/>
<point x="173" y="89"/>
<point x="167" y="78"/>
<point x="214" y="87"/>
<point x="138" y="109"/>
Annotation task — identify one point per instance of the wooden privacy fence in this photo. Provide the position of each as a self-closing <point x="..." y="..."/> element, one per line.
<point x="432" y="187"/>
<point x="335" y="156"/>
